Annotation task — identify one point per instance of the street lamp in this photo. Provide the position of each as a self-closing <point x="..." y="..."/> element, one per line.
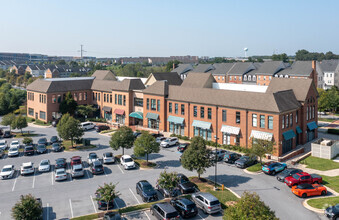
<point x="216" y="162"/>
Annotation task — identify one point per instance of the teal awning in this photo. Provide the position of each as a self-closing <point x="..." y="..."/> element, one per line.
<point x="312" y="125"/>
<point x="136" y="115"/>
<point x="289" y="135"/>
<point x="299" y="131"/>
<point x="153" y="116"/>
<point x="175" y="120"/>
<point x="201" y="124"/>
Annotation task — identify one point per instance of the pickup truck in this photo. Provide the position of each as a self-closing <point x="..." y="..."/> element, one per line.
<point x="302" y="177"/>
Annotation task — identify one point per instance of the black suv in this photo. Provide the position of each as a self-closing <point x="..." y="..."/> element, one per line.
<point x="28" y="150"/>
<point x="41" y="149"/>
<point x="102" y="204"/>
<point x="185" y="207"/>
<point x="60" y="163"/>
<point x="182" y="147"/>
<point x="146" y="191"/>
<point x="96" y="167"/>
<point x="245" y="161"/>
<point x="42" y="141"/>
<point x="185" y="186"/>
<point x="54" y="139"/>
<point x="164" y="210"/>
<point x="231" y="157"/>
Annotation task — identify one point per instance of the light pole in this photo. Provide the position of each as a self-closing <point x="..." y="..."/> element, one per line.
<point x="216" y="162"/>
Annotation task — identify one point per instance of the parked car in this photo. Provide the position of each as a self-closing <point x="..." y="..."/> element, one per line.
<point x="7" y="134"/>
<point x="87" y="125"/>
<point x="44" y="166"/>
<point x="127" y="162"/>
<point x="305" y="190"/>
<point x="220" y="154"/>
<point x="96" y="167"/>
<point x="160" y="139"/>
<point x="168" y="192"/>
<point x="43" y="141"/>
<point x="3" y="145"/>
<point x="100" y="128"/>
<point x="136" y="134"/>
<point x="170" y="142"/>
<point x="156" y="135"/>
<point x="182" y="147"/>
<point x="92" y="157"/>
<point x="231" y="157"/>
<point x="13" y="151"/>
<point x="108" y="157"/>
<point x="164" y="210"/>
<point x="29" y="150"/>
<point x="60" y="163"/>
<point x="15" y="144"/>
<point x="332" y="212"/>
<point x="77" y="170"/>
<point x="303" y="177"/>
<point x="146" y="191"/>
<point x="26" y="168"/>
<point x="41" y="149"/>
<point x="287" y="172"/>
<point x="7" y="172"/>
<point x="60" y="174"/>
<point x="184" y="185"/>
<point x="75" y="160"/>
<point x="102" y="204"/>
<point x="185" y="207"/>
<point x="56" y="147"/>
<point x="112" y="216"/>
<point x="54" y="139"/>
<point x="206" y="202"/>
<point x="245" y="161"/>
<point x="2" y="153"/>
<point x="272" y="167"/>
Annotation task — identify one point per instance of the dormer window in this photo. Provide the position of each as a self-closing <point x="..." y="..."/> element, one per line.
<point x="249" y="78"/>
<point x="281" y="76"/>
<point x="286" y="76"/>
<point x="245" y="78"/>
<point x="254" y="78"/>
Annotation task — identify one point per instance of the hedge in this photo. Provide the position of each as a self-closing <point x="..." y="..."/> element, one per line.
<point x="333" y="131"/>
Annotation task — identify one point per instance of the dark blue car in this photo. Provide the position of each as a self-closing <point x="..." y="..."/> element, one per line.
<point x="273" y="167"/>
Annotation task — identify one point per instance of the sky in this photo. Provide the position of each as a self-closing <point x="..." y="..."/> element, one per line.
<point x="131" y="28"/>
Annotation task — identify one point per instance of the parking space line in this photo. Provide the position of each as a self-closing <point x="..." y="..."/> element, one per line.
<point x="33" y="179"/>
<point x="116" y="204"/>
<point x="120" y="168"/>
<point x="15" y="180"/>
<point x="47" y="214"/>
<point x="52" y="177"/>
<point x="95" y="209"/>
<point x="86" y="172"/>
<point x="105" y="172"/>
<point x="134" y="195"/>
<point x="70" y="204"/>
<point x="201" y="216"/>
<point x="147" y="216"/>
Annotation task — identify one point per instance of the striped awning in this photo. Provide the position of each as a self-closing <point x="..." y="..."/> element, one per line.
<point x="201" y="124"/>
<point x="151" y="115"/>
<point x="289" y="135"/>
<point x="261" y="135"/>
<point x="119" y="111"/>
<point x="175" y="120"/>
<point x="312" y="125"/>
<point x="230" y="129"/>
<point x="299" y="131"/>
<point x="136" y="115"/>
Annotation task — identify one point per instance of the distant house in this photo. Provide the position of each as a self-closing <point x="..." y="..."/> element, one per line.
<point x="328" y="73"/>
<point x="183" y="70"/>
<point x="36" y="70"/>
<point x="18" y="69"/>
<point x="300" y="70"/>
<point x="64" y="71"/>
<point x="171" y="78"/>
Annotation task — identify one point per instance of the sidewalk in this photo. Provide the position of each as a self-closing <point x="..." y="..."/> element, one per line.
<point x="38" y="126"/>
<point x="331" y="173"/>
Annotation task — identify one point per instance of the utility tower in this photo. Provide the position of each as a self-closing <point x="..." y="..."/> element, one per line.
<point x="81" y="50"/>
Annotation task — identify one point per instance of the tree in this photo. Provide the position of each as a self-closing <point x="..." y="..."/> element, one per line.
<point x="20" y="122"/>
<point x="250" y="207"/>
<point x="68" y="105"/>
<point x="262" y="147"/>
<point x="27" y="140"/>
<point x="197" y="156"/>
<point x="85" y="110"/>
<point x="69" y="128"/>
<point x="167" y="180"/>
<point x="107" y="193"/>
<point x="8" y="119"/>
<point x="28" y="207"/>
<point x="123" y="138"/>
<point x="145" y="145"/>
<point x="280" y="57"/>
<point x="169" y="65"/>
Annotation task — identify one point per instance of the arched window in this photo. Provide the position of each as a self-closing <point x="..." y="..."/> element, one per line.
<point x="249" y="78"/>
<point x="245" y="78"/>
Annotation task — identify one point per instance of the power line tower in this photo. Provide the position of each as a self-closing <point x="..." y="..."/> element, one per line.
<point x="81" y="50"/>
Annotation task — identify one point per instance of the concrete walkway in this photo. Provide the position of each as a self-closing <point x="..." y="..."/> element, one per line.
<point x="332" y="173"/>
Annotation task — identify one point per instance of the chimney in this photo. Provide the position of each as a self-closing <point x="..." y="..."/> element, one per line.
<point x="173" y="66"/>
<point x="314" y="73"/>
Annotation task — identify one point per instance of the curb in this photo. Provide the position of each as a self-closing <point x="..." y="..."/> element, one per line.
<point x="307" y="206"/>
<point x="38" y="126"/>
<point x="252" y="173"/>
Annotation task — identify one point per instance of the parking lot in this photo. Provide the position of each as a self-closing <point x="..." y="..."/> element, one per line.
<point x="75" y="197"/>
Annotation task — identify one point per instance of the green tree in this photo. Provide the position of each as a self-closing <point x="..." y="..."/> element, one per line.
<point x="145" y="145"/>
<point x="123" y="138"/>
<point x="250" y="207"/>
<point x="197" y="156"/>
<point x="69" y="128"/>
<point x="68" y="105"/>
<point x="28" y="207"/>
<point x="20" y="122"/>
<point x="168" y="180"/>
<point x="280" y="57"/>
<point x="85" y="110"/>
<point x="262" y="147"/>
<point x="107" y="193"/>
<point x="8" y="120"/>
<point x="27" y="140"/>
<point x="169" y="65"/>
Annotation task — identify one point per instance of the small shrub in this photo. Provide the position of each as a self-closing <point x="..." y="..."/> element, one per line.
<point x="333" y="131"/>
<point x="96" y="119"/>
<point x="27" y="140"/>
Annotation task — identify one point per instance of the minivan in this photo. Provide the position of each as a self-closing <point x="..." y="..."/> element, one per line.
<point x="87" y="125"/>
<point x="206" y="202"/>
<point x="164" y="210"/>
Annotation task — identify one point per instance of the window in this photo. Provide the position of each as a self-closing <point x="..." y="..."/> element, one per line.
<point x="270" y="77"/>
<point x="119" y="99"/>
<point x="153" y="105"/>
<point x="31" y="111"/>
<point x="254" y="78"/>
<point x="259" y="77"/>
<point x="170" y="107"/>
<point x="218" y="77"/>
<point x="195" y="111"/>
<point x="230" y="77"/>
<point x="45" y="97"/>
<point x="110" y="98"/>
<point x="42" y="115"/>
<point x="53" y="99"/>
<point x="283" y="122"/>
<point x="202" y="112"/>
<point x="209" y="113"/>
<point x="223" y="78"/>
<point x="254" y="120"/>
<point x="59" y="98"/>
<point x="99" y="96"/>
<point x="249" y="78"/>
<point x="270" y="122"/>
<point x="104" y="97"/>
<point x="147" y="104"/>
<point x="124" y="100"/>
<point x="176" y="108"/>
<point x="80" y="96"/>
<point x="138" y="102"/>
<point x="245" y="78"/>
<point x="239" y="77"/>
<point x="182" y="109"/>
<point x="115" y="101"/>
<point x="224" y="115"/>
<point x="85" y="96"/>
<point x="237" y="117"/>
<point x="286" y="76"/>
<point x="235" y="78"/>
<point x="313" y="114"/>
<point x="310" y="113"/>
<point x="307" y="113"/>
<point x="291" y="120"/>
<point x="296" y="116"/>
<point x="262" y="121"/>
<point x="158" y="105"/>
<point x="287" y="121"/>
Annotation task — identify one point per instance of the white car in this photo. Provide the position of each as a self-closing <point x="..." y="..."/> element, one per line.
<point x="92" y="157"/>
<point x="3" y="145"/>
<point x="7" y="172"/>
<point x="87" y="125"/>
<point x="44" y="166"/>
<point x="27" y="168"/>
<point x="127" y="162"/>
<point x="170" y="142"/>
<point x="108" y="157"/>
<point x="160" y="139"/>
<point x="13" y="151"/>
<point x="77" y="170"/>
<point x="60" y="174"/>
<point x="15" y="144"/>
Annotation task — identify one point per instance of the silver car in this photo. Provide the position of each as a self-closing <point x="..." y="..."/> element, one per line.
<point x="108" y="157"/>
<point x="27" y="168"/>
<point x="77" y="170"/>
<point x="60" y="174"/>
<point x="44" y="166"/>
<point x="206" y="202"/>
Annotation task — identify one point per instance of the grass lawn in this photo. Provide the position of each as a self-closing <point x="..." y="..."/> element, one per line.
<point x="68" y="146"/>
<point x="332" y="182"/>
<point x="107" y="131"/>
<point x="254" y="168"/>
<point x="323" y="203"/>
<point x="320" y="163"/>
<point x="19" y="135"/>
<point x="326" y="119"/>
<point x="87" y="217"/>
<point x="29" y="119"/>
<point x="41" y="123"/>
<point x="143" y="164"/>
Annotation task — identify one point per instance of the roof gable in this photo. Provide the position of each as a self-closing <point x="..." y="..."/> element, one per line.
<point x="199" y="80"/>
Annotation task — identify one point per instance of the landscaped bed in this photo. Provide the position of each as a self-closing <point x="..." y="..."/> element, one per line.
<point x="320" y="163"/>
<point x="143" y="164"/>
<point x="255" y="168"/>
<point x="68" y="146"/>
<point x="19" y="135"/>
<point x="323" y="203"/>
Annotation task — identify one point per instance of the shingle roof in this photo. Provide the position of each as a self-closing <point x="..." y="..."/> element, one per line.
<point x="221" y="68"/>
<point x="198" y="80"/>
<point x="298" y="68"/>
<point x="60" y="84"/>
<point x="203" y="68"/>
<point x="104" y="75"/>
<point x="157" y="88"/>
<point x="125" y="85"/>
<point x="328" y="65"/>
<point x="183" y="68"/>
<point x="270" y="68"/>
<point x="241" y="68"/>
<point x="172" y="78"/>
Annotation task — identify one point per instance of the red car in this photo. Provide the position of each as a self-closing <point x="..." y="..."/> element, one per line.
<point x="75" y="160"/>
<point x="302" y="177"/>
